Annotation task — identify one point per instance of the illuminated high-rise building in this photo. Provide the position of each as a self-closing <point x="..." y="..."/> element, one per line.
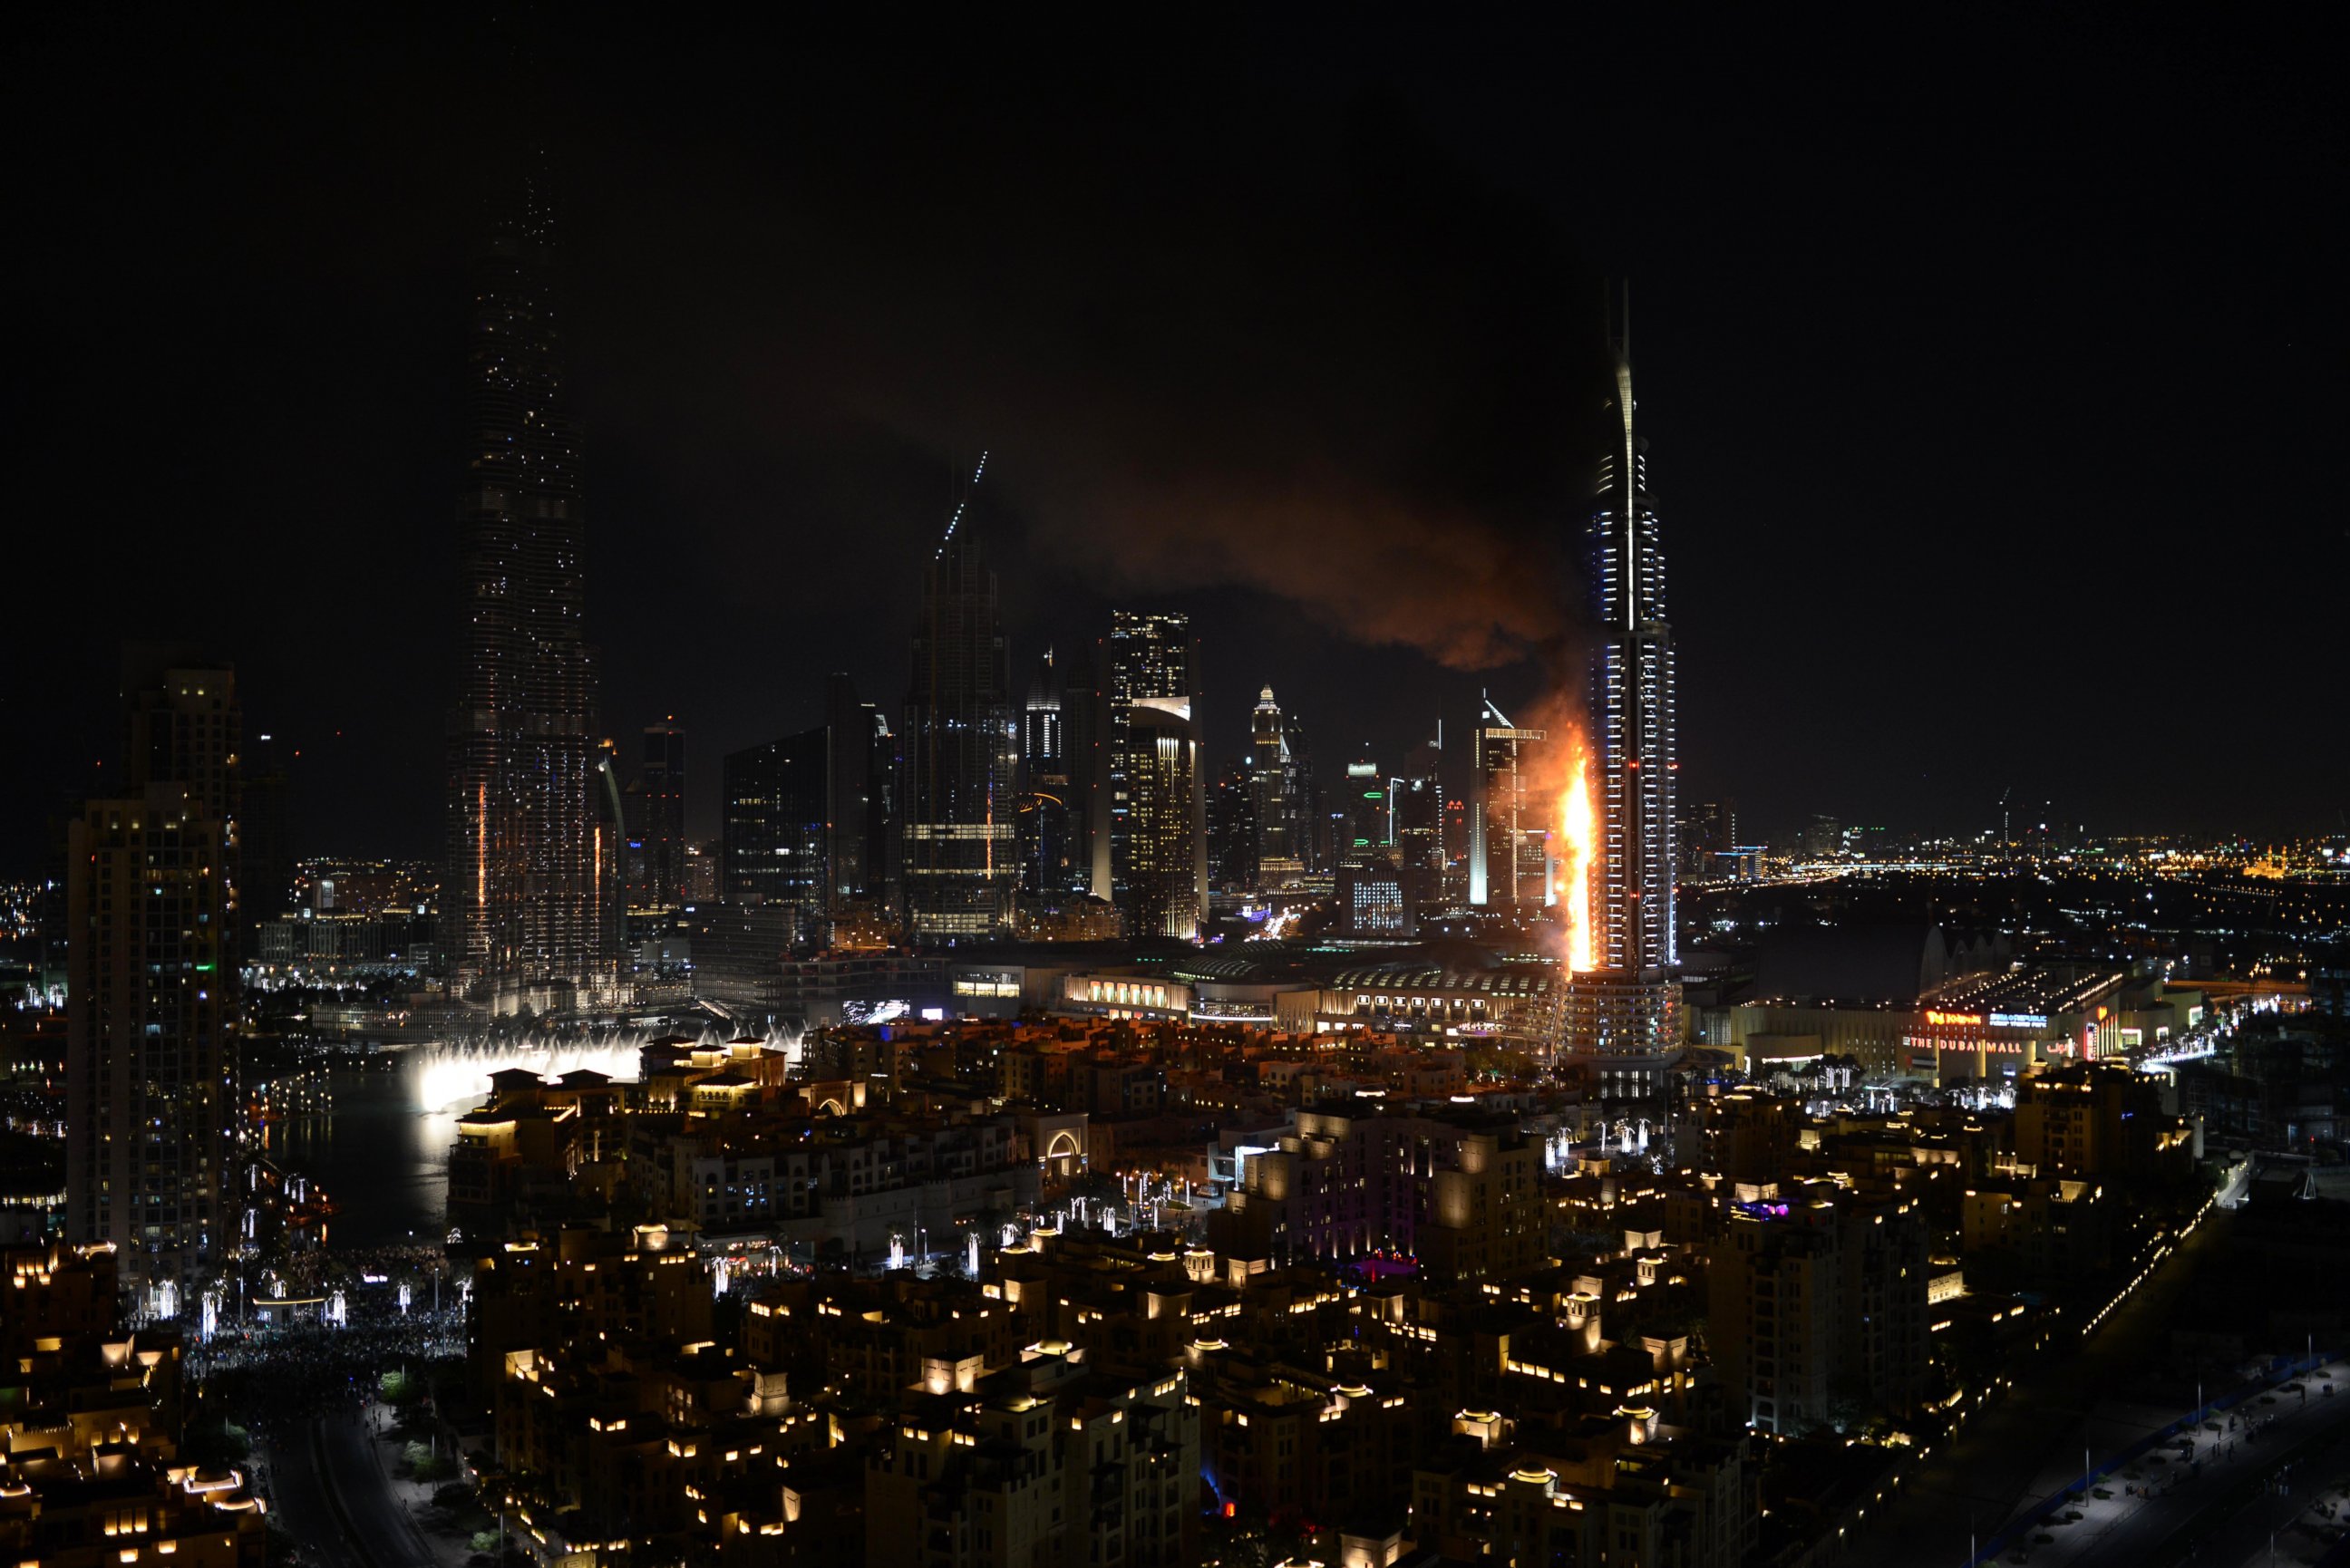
<point x="1708" y="832"/>
<point x="1626" y="1012"/>
<point x="1085" y="758"/>
<point x="1631" y="702"/>
<point x="656" y="819"/>
<point x="1456" y="850"/>
<point x="1277" y="780"/>
<point x="1369" y="831"/>
<point x="1232" y="830"/>
<point x="1047" y="796"/>
<point x="530" y="862"/>
<point x="152" y="880"/>
<point x="960" y="771"/>
<point x="1163" y="892"/>
<point x="859" y="808"/>
<point x="1156" y="804"/>
<point x="1416" y="807"/>
<point x="1508" y="819"/>
<point x="773" y="802"/>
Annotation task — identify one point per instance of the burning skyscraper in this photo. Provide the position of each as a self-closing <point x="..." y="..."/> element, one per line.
<point x="1622" y="1006"/>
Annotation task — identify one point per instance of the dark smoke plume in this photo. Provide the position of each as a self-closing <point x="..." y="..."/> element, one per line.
<point x="1320" y="360"/>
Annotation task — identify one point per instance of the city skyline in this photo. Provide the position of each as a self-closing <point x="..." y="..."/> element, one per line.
<point x="789" y="799"/>
<point x="733" y="427"/>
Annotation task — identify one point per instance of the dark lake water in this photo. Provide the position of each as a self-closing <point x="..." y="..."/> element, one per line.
<point x="382" y="1153"/>
<point x="383" y="1161"/>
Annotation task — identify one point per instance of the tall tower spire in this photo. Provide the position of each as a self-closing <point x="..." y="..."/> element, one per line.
<point x="1619" y="341"/>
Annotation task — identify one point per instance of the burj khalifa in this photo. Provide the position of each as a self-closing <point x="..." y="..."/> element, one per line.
<point x="532" y="869"/>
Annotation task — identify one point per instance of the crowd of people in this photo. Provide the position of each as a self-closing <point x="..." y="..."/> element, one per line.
<point x="320" y="1270"/>
<point x="270" y="1372"/>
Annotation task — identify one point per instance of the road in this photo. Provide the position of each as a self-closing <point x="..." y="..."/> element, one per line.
<point x="2011" y="1455"/>
<point x="297" y="1496"/>
<point x="385" y="1529"/>
<point x="339" y="1503"/>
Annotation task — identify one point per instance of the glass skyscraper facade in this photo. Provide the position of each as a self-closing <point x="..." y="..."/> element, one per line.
<point x="859" y="855"/>
<point x="1623" y="1018"/>
<point x="151" y="1068"/>
<point x="961" y="757"/>
<point x="1047" y="796"/>
<point x="530" y="865"/>
<point x="1631" y="704"/>
<point x="773" y="836"/>
<point x="1156" y="804"/>
<point x="1277" y="778"/>
<point x="656" y="819"/>
<point x="1164" y="885"/>
<point x="1508" y="820"/>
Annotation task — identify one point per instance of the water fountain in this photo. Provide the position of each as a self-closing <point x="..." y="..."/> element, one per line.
<point x="457" y="1072"/>
<point x="897" y="1251"/>
<point x="970" y="1253"/>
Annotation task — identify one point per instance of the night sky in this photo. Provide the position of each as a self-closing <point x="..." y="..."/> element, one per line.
<point x="1995" y="383"/>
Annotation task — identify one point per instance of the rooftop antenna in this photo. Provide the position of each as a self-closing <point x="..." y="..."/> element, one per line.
<point x="1628" y="481"/>
<point x="955" y="520"/>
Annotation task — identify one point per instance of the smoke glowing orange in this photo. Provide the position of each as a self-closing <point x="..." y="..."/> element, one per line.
<point x="1577" y="840"/>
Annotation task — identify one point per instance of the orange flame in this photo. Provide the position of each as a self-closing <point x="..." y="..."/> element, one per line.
<point x="1577" y="840"/>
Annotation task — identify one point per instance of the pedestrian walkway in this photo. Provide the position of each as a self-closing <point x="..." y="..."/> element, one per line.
<point x="2281" y="1538"/>
<point x="2132" y="1509"/>
<point x="1987" y="1472"/>
<point x="446" y="1547"/>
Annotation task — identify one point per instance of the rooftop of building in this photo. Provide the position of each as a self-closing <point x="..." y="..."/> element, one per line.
<point x="2041" y="990"/>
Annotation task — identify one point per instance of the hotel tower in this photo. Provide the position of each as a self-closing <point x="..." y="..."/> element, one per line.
<point x="1623" y="1017"/>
